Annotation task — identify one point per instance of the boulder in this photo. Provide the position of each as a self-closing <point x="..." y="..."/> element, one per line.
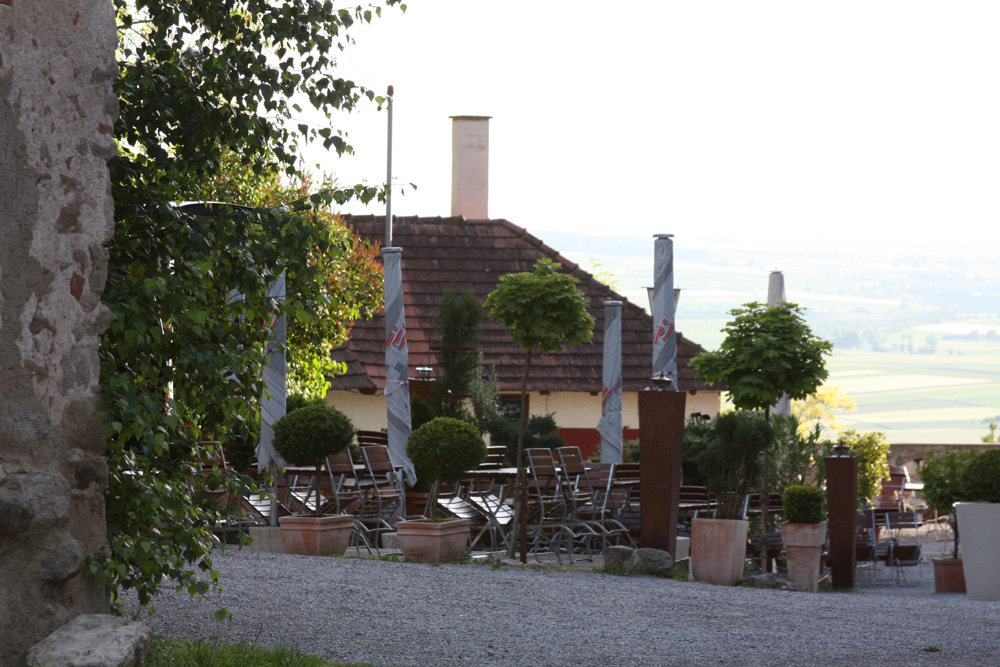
<point x="615" y="558"/>
<point x="644" y="560"/>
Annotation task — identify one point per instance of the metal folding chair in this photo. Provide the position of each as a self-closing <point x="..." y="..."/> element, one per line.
<point x="905" y="550"/>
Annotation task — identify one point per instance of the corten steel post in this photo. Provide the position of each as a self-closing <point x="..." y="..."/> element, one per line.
<point x="661" y="435"/>
<point x="841" y="504"/>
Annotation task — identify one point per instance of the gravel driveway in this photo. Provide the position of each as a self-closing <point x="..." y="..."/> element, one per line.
<point x="403" y="614"/>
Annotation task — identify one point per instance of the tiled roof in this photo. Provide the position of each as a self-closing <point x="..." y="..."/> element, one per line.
<point x="442" y="254"/>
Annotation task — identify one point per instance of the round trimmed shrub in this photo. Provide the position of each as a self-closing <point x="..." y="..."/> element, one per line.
<point x="981" y="477"/>
<point x="804" y="504"/>
<point x="444" y="448"/>
<point x="308" y="435"/>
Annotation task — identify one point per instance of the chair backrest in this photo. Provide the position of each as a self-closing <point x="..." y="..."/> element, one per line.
<point x="378" y="465"/>
<point x="694" y="494"/>
<point x="544" y="480"/>
<point x="366" y="438"/>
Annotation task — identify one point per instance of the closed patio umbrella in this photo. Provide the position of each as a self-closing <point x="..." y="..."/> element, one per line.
<point x="610" y="425"/>
<point x="397" y="362"/>
<point x="664" y="333"/>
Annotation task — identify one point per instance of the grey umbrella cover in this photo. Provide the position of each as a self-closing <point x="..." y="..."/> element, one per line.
<point x="664" y="332"/>
<point x="610" y="425"/>
<point x="272" y="403"/>
<point x="397" y="363"/>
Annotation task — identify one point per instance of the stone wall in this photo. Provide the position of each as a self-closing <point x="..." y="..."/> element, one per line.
<point x="57" y="111"/>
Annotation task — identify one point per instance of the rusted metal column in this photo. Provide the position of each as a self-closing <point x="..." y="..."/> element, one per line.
<point x="841" y="504"/>
<point x="661" y="435"/>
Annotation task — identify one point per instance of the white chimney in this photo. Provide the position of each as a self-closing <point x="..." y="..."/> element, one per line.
<point x="470" y="157"/>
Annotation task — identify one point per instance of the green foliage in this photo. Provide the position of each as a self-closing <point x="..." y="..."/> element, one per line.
<point x="201" y="653"/>
<point x="872" y="451"/>
<point x="766" y="352"/>
<point x="804" y="504"/>
<point x="732" y="467"/>
<point x="944" y="479"/>
<point x="542" y="431"/>
<point x="420" y="412"/>
<point x="444" y="448"/>
<point x="295" y="402"/>
<point x="699" y="435"/>
<point x="981" y="477"/>
<point x="543" y="309"/>
<point x="992" y="435"/>
<point x="458" y="324"/>
<point x="308" y="435"/>
<point x="795" y="453"/>
<point x="485" y="395"/>
<point x="204" y="92"/>
<point x="630" y="452"/>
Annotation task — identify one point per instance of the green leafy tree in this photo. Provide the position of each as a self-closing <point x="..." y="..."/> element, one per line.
<point x="542" y="310"/>
<point x="731" y="465"/>
<point x="820" y="409"/>
<point x="458" y="324"/>
<point x="872" y="451"/>
<point x="943" y="478"/>
<point x="200" y="81"/>
<point x="796" y="452"/>
<point x="767" y="351"/>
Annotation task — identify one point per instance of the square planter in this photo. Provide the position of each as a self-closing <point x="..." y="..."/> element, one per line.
<point x="949" y="575"/>
<point x="803" y="548"/>
<point x="718" y="550"/>
<point x="433" y="542"/>
<point x="316" y="535"/>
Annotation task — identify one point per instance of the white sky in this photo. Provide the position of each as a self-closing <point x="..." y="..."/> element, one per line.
<point x="844" y="124"/>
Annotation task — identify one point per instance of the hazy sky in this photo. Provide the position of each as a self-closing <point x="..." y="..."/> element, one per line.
<point x="733" y="124"/>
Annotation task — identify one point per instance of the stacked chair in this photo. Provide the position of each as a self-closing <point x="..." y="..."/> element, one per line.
<point x="587" y="497"/>
<point x="551" y="525"/>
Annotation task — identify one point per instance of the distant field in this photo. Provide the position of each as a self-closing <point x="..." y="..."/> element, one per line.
<point x="947" y="309"/>
<point x="946" y="397"/>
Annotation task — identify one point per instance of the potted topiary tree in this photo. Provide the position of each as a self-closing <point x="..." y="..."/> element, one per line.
<point x="803" y="533"/>
<point x="942" y="475"/>
<point x="979" y="521"/>
<point x="441" y="450"/>
<point x="731" y="467"/>
<point x="306" y="437"/>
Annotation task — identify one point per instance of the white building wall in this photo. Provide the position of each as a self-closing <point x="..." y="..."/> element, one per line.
<point x="572" y="409"/>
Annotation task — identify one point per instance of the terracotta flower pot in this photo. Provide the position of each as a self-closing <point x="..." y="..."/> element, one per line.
<point x="316" y="535"/>
<point x="433" y="542"/>
<point x="718" y="550"/>
<point x="803" y="548"/>
<point x="949" y="575"/>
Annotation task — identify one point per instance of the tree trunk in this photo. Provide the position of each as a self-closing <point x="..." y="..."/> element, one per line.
<point x="763" y="501"/>
<point x="521" y="487"/>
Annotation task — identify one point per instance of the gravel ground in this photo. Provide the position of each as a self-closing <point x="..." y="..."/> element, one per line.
<point x="402" y="614"/>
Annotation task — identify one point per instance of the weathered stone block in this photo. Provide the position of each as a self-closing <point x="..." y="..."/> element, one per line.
<point x="93" y="640"/>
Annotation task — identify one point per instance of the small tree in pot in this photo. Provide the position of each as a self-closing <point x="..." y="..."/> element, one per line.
<point x="306" y="437"/>
<point x="803" y="533"/>
<point x="441" y="450"/>
<point x="942" y="478"/>
<point x="731" y="466"/>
